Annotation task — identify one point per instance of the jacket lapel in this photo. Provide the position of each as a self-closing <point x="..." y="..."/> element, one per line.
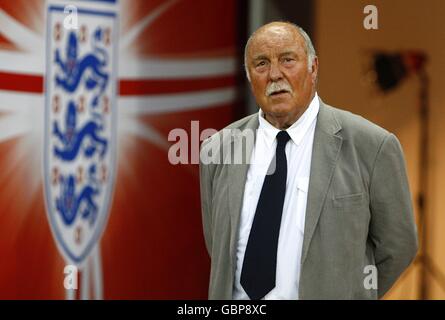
<point x="237" y="176"/>
<point x="325" y="152"/>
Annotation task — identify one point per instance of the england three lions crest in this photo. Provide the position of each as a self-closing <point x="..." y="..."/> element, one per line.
<point x="80" y="126"/>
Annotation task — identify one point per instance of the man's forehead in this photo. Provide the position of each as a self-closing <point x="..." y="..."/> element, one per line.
<point x="276" y="37"/>
<point x="277" y="29"/>
<point x="276" y="34"/>
<point x="264" y="48"/>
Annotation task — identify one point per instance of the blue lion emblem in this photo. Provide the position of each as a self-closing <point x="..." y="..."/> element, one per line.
<point x="69" y="203"/>
<point x="72" y="138"/>
<point x="74" y="68"/>
<point x="80" y="128"/>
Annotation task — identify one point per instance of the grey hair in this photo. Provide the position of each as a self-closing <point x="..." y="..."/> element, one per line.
<point x="310" y="50"/>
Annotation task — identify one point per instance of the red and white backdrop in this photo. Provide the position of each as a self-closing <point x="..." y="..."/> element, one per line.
<point x="170" y="62"/>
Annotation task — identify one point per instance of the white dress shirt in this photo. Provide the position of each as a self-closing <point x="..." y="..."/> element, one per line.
<point x="298" y="153"/>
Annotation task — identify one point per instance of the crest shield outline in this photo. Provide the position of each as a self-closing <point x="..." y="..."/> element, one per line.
<point x="80" y="128"/>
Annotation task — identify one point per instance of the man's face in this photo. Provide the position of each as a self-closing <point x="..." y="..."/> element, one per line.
<point x="281" y="82"/>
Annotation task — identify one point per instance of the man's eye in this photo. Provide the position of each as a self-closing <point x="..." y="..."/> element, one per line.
<point x="261" y="63"/>
<point x="288" y="59"/>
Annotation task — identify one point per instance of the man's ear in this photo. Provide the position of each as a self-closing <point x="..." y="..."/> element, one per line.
<point x="248" y="75"/>
<point x="314" y="71"/>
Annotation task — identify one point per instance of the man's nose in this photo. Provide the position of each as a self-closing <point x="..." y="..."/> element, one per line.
<point x="275" y="72"/>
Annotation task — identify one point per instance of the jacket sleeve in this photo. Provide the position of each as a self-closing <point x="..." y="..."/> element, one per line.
<point x="392" y="227"/>
<point x="206" y="198"/>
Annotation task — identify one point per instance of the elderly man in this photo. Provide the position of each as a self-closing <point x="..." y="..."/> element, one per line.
<point x="320" y="208"/>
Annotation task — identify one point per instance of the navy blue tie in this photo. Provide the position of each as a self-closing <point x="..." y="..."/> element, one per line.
<point x="260" y="260"/>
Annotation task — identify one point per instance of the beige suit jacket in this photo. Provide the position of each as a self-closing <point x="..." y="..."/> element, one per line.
<point x="359" y="210"/>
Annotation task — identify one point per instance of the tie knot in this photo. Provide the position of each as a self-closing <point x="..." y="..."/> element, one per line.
<point x="282" y="138"/>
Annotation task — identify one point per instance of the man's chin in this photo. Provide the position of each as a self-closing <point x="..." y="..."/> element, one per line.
<point x="281" y="110"/>
<point x="278" y="114"/>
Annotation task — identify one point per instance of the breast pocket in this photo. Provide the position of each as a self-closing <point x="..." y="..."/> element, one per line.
<point x="349" y="201"/>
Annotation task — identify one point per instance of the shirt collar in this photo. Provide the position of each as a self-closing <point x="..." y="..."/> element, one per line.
<point x="296" y="131"/>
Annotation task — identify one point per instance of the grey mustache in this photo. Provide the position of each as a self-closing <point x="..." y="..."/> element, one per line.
<point x="278" y="86"/>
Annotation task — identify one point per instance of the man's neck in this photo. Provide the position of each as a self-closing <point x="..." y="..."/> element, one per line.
<point x="285" y="122"/>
